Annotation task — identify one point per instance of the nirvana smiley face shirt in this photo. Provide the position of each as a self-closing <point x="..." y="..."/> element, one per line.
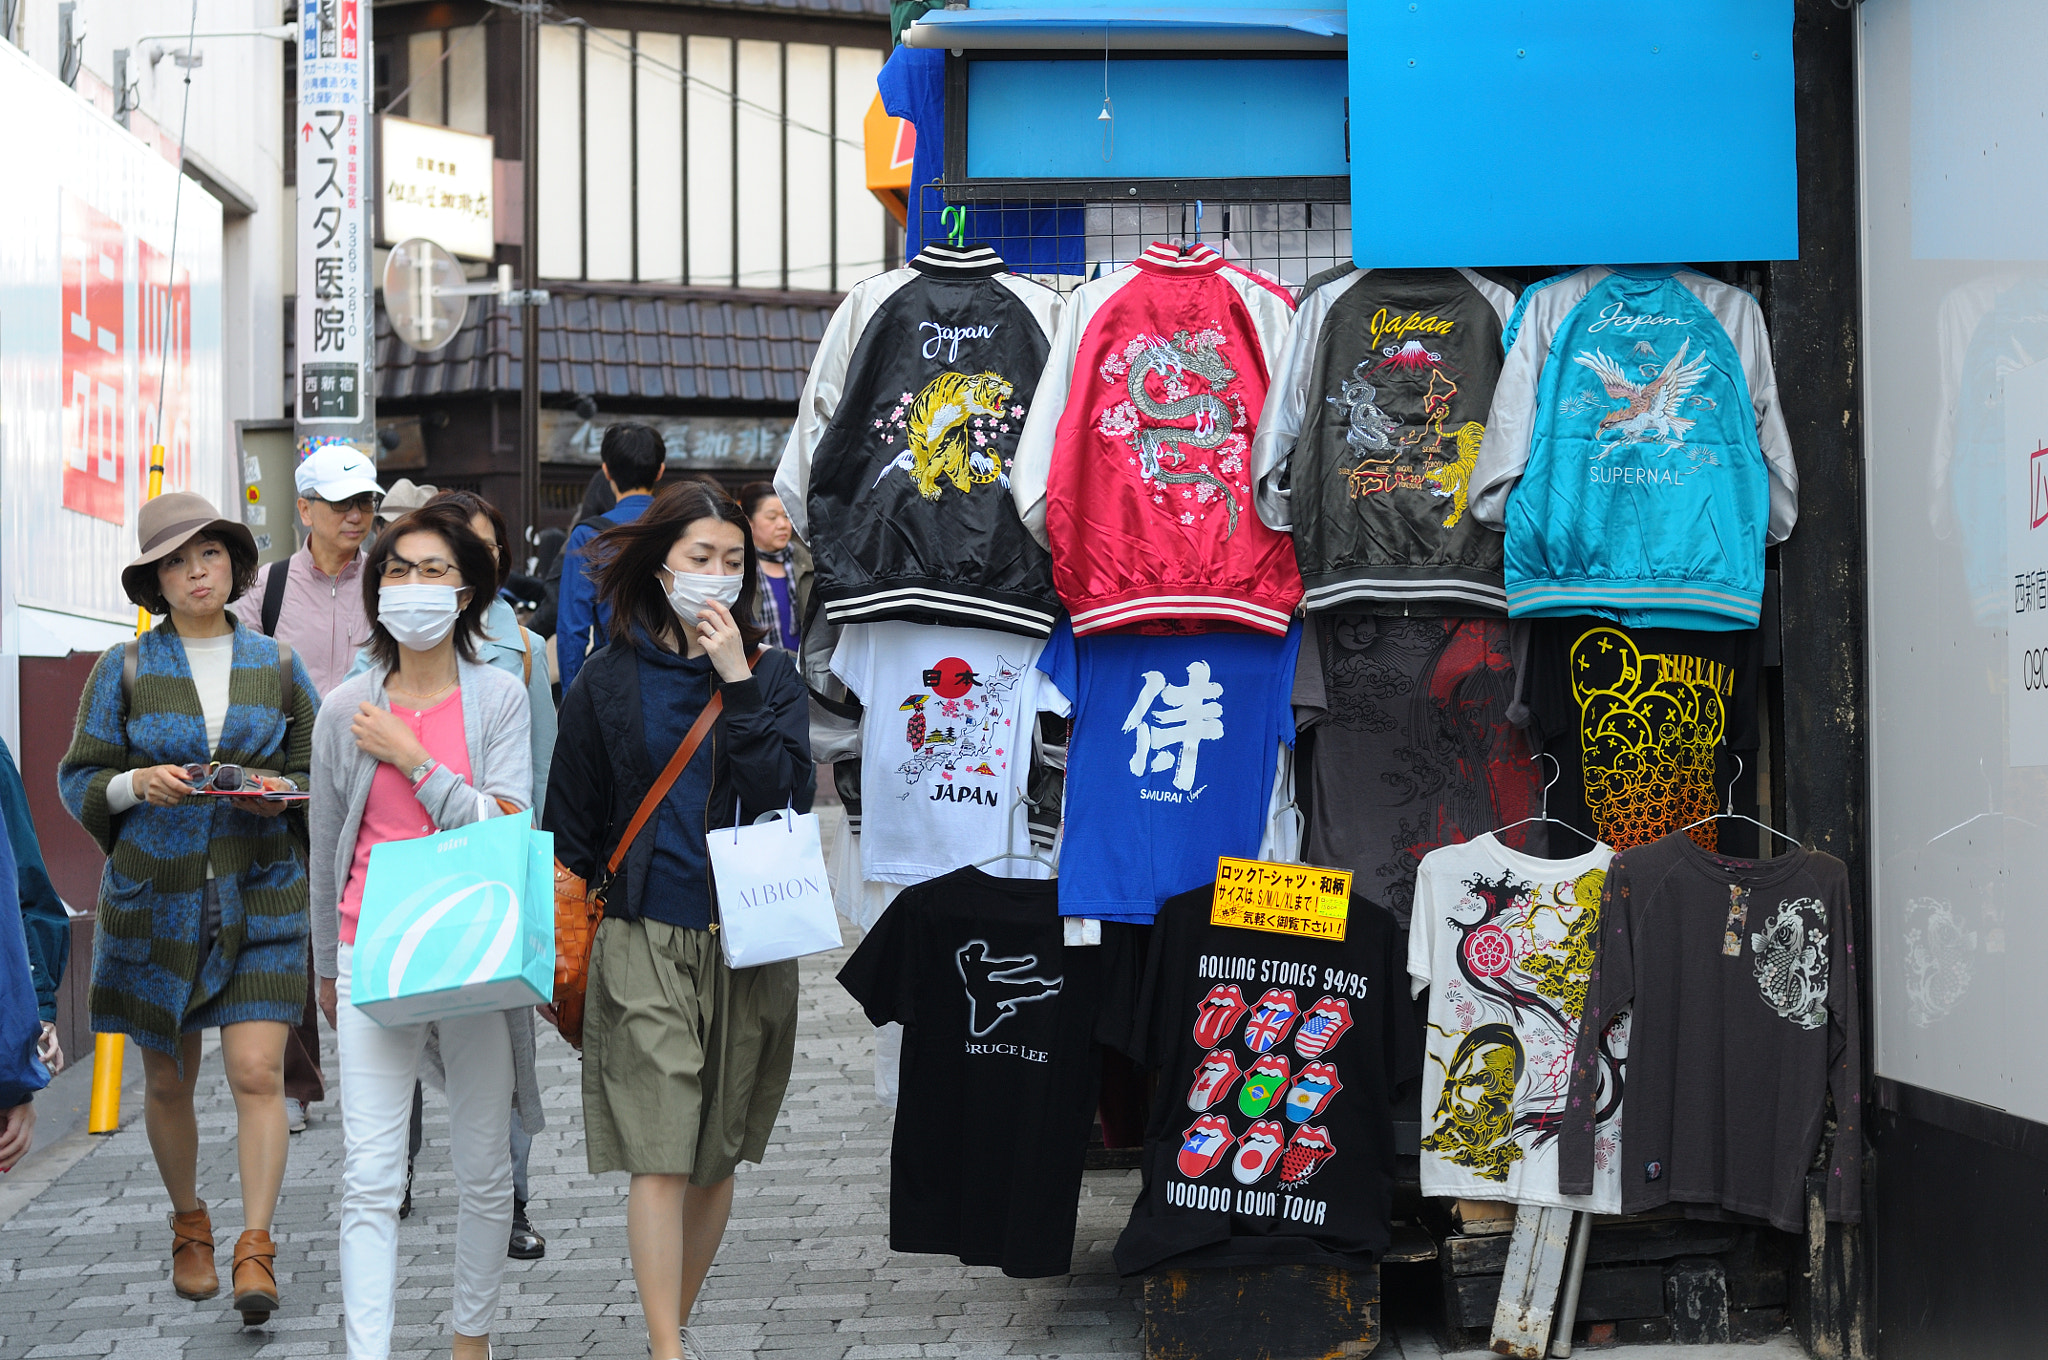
<point x="999" y="1068"/>
<point x="1270" y="1139"/>
<point x="945" y="743"/>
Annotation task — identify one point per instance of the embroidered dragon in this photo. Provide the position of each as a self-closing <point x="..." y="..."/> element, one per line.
<point x="1213" y="424"/>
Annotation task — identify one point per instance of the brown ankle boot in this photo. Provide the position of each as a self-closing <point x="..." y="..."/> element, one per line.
<point x="472" y="1347"/>
<point x="192" y="1272"/>
<point x="255" y="1276"/>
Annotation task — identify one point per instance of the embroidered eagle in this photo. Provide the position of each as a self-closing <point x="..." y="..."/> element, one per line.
<point x="1652" y="410"/>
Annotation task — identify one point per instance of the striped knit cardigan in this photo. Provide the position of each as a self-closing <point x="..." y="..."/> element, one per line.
<point x="148" y="978"/>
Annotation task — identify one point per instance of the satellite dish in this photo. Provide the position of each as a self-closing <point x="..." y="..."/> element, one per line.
<point x="424" y="294"/>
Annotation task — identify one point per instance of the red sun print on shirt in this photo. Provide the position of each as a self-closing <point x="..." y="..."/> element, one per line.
<point x="1218" y="1013"/>
<point x="1271" y="1019"/>
<point x="1322" y="1027"/>
<point x="958" y="729"/>
<point x="1258" y="1150"/>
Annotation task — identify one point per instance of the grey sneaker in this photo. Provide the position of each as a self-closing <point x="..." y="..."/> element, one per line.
<point x="295" y="1115"/>
<point x="691" y="1349"/>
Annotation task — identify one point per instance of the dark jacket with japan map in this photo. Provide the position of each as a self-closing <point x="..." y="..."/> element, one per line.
<point x="897" y="473"/>
<point x="1369" y="435"/>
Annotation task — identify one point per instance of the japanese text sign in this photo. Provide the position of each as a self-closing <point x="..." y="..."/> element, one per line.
<point x="333" y="313"/>
<point x="1286" y="899"/>
<point x="437" y="184"/>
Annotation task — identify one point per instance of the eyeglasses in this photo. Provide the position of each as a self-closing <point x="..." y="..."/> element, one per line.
<point x="365" y="504"/>
<point x="219" y="778"/>
<point x="396" y="568"/>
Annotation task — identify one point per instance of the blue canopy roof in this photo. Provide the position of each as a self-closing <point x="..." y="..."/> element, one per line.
<point x="1156" y="27"/>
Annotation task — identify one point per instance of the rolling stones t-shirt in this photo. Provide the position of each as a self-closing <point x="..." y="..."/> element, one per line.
<point x="1421" y="706"/>
<point x="1647" y="725"/>
<point x="1270" y="1139"/>
<point x="999" y="1068"/>
<point x="945" y="743"/>
<point x="1171" y="762"/>
<point x="1504" y="942"/>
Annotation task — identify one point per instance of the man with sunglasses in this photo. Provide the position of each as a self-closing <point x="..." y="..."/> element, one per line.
<point x="314" y="601"/>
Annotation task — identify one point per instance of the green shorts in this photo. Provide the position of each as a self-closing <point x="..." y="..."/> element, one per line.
<point x="685" y="1062"/>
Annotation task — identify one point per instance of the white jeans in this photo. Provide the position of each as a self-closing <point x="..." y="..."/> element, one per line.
<point x="378" y="1069"/>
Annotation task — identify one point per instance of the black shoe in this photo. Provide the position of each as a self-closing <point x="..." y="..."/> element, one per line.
<point x="526" y="1244"/>
<point x="405" y="1205"/>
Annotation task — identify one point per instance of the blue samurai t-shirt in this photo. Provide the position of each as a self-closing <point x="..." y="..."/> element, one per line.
<point x="1171" y="760"/>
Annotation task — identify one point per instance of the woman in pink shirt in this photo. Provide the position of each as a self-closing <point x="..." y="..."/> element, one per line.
<point x="429" y="738"/>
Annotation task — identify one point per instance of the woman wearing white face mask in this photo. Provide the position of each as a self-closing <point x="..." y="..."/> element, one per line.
<point x="684" y="1061"/>
<point x="430" y="737"/>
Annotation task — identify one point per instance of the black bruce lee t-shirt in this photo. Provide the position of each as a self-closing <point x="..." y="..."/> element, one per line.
<point x="999" y="1068"/>
<point x="1270" y="1139"/>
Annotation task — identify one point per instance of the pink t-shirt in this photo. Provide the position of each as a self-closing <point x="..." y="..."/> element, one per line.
<point x="392" y="813"/>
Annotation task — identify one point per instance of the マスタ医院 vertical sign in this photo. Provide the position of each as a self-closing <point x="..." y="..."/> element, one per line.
<point x="2026" y="557"/>
<point x="335" y="324"/>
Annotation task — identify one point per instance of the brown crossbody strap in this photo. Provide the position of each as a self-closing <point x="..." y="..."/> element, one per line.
<point x="671" y="772"/>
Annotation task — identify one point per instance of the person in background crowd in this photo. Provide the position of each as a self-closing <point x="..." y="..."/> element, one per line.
<point x="633" y="457"/>
<point x="515" y="651"/>
<point x="431" y="737"/>
<point x="313" y="600"/>
<point x="202" y="906"/>
<point x="685" y="1062"/>
<point x="402" y="499"/>
<point x="22" y="1072"/>
<point x="43" y="918"/>
<point x="785" y="566"/>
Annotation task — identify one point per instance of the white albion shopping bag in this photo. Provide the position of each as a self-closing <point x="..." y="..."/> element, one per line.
<point x="774" y="895"/>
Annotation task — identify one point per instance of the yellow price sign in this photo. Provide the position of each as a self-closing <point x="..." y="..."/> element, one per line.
<point x="1286" y="899"/>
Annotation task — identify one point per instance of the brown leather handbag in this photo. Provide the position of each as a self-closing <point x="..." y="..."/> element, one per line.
<point x="579" y="904"/>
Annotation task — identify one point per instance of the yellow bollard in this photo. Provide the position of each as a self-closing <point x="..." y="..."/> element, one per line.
<point x="104" y="1114"/>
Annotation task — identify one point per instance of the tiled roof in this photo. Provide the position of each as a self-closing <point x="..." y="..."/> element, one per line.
<point x="680" y="345"/>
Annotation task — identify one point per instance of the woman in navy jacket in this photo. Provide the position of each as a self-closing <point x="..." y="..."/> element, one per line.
<point x="685" y="1061"/>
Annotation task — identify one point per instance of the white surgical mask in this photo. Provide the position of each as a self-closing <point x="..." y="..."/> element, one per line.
<point x="418" y="615"/>
<point x="689" y="592"/>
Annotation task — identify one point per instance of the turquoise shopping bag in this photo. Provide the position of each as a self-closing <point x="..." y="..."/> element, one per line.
<point x="457" y="924"/>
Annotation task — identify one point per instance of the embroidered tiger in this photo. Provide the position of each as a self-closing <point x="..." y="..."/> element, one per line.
<point x="1454" y="478"/>
<point x="938" y="426"/>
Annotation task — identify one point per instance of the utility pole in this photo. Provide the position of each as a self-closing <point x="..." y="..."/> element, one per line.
<point x="335" y="315"/>
<point x="529" y="265"/>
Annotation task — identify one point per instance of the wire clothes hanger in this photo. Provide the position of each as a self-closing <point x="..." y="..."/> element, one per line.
<point x="1034" y="855"/>
<point x="1729" y="813"/>
<point x="1543" y="807"/>
<point x="1986" y="815"/>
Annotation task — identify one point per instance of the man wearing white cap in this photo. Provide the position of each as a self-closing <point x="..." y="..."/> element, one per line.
<point x="314" y="600"/>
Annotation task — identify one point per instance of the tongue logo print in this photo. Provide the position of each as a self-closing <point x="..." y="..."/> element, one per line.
<point x="1257" y="1151"/>
<point x="1311" y="1092"/>
<point x="997" y="987"/>
<point x="1203" y="1145"/>
<point x="1213" y="1080"/>
<point x="1306" y="1154"/>
<point x="1322" y="1027"/>
<point x="1218" y="1012"/>
<point x="1263" y="1084"/>
<point x="1271" y="1019"/>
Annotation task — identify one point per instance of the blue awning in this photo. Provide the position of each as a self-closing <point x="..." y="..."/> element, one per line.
<point x="1133" y="27"/>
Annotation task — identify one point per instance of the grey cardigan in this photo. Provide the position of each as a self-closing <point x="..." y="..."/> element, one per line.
<point x="495" y="726"/>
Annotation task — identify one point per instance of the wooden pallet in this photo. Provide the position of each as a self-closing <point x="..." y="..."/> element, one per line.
<point x="1262" y="1313"/>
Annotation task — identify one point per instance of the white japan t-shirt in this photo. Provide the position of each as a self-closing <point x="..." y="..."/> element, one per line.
<point x="1504" y="943"/>
<point x="945" y="745"/>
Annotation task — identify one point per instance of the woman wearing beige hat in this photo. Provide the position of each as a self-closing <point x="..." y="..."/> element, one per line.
<point x="202" y="906"/>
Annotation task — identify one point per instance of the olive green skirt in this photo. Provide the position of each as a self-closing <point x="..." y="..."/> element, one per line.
<point x="685" y="1062"/>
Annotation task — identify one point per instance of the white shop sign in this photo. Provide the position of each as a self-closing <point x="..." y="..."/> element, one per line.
<point x="437" y="184"/>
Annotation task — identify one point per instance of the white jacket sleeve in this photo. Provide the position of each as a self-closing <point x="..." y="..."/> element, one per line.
<point x="823" y="387"/>
<point x="1753" y="343"/>
<point x="1511" y="423"/>
<point x="1287" y="408"/>
<point x="1031" y="465"/>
